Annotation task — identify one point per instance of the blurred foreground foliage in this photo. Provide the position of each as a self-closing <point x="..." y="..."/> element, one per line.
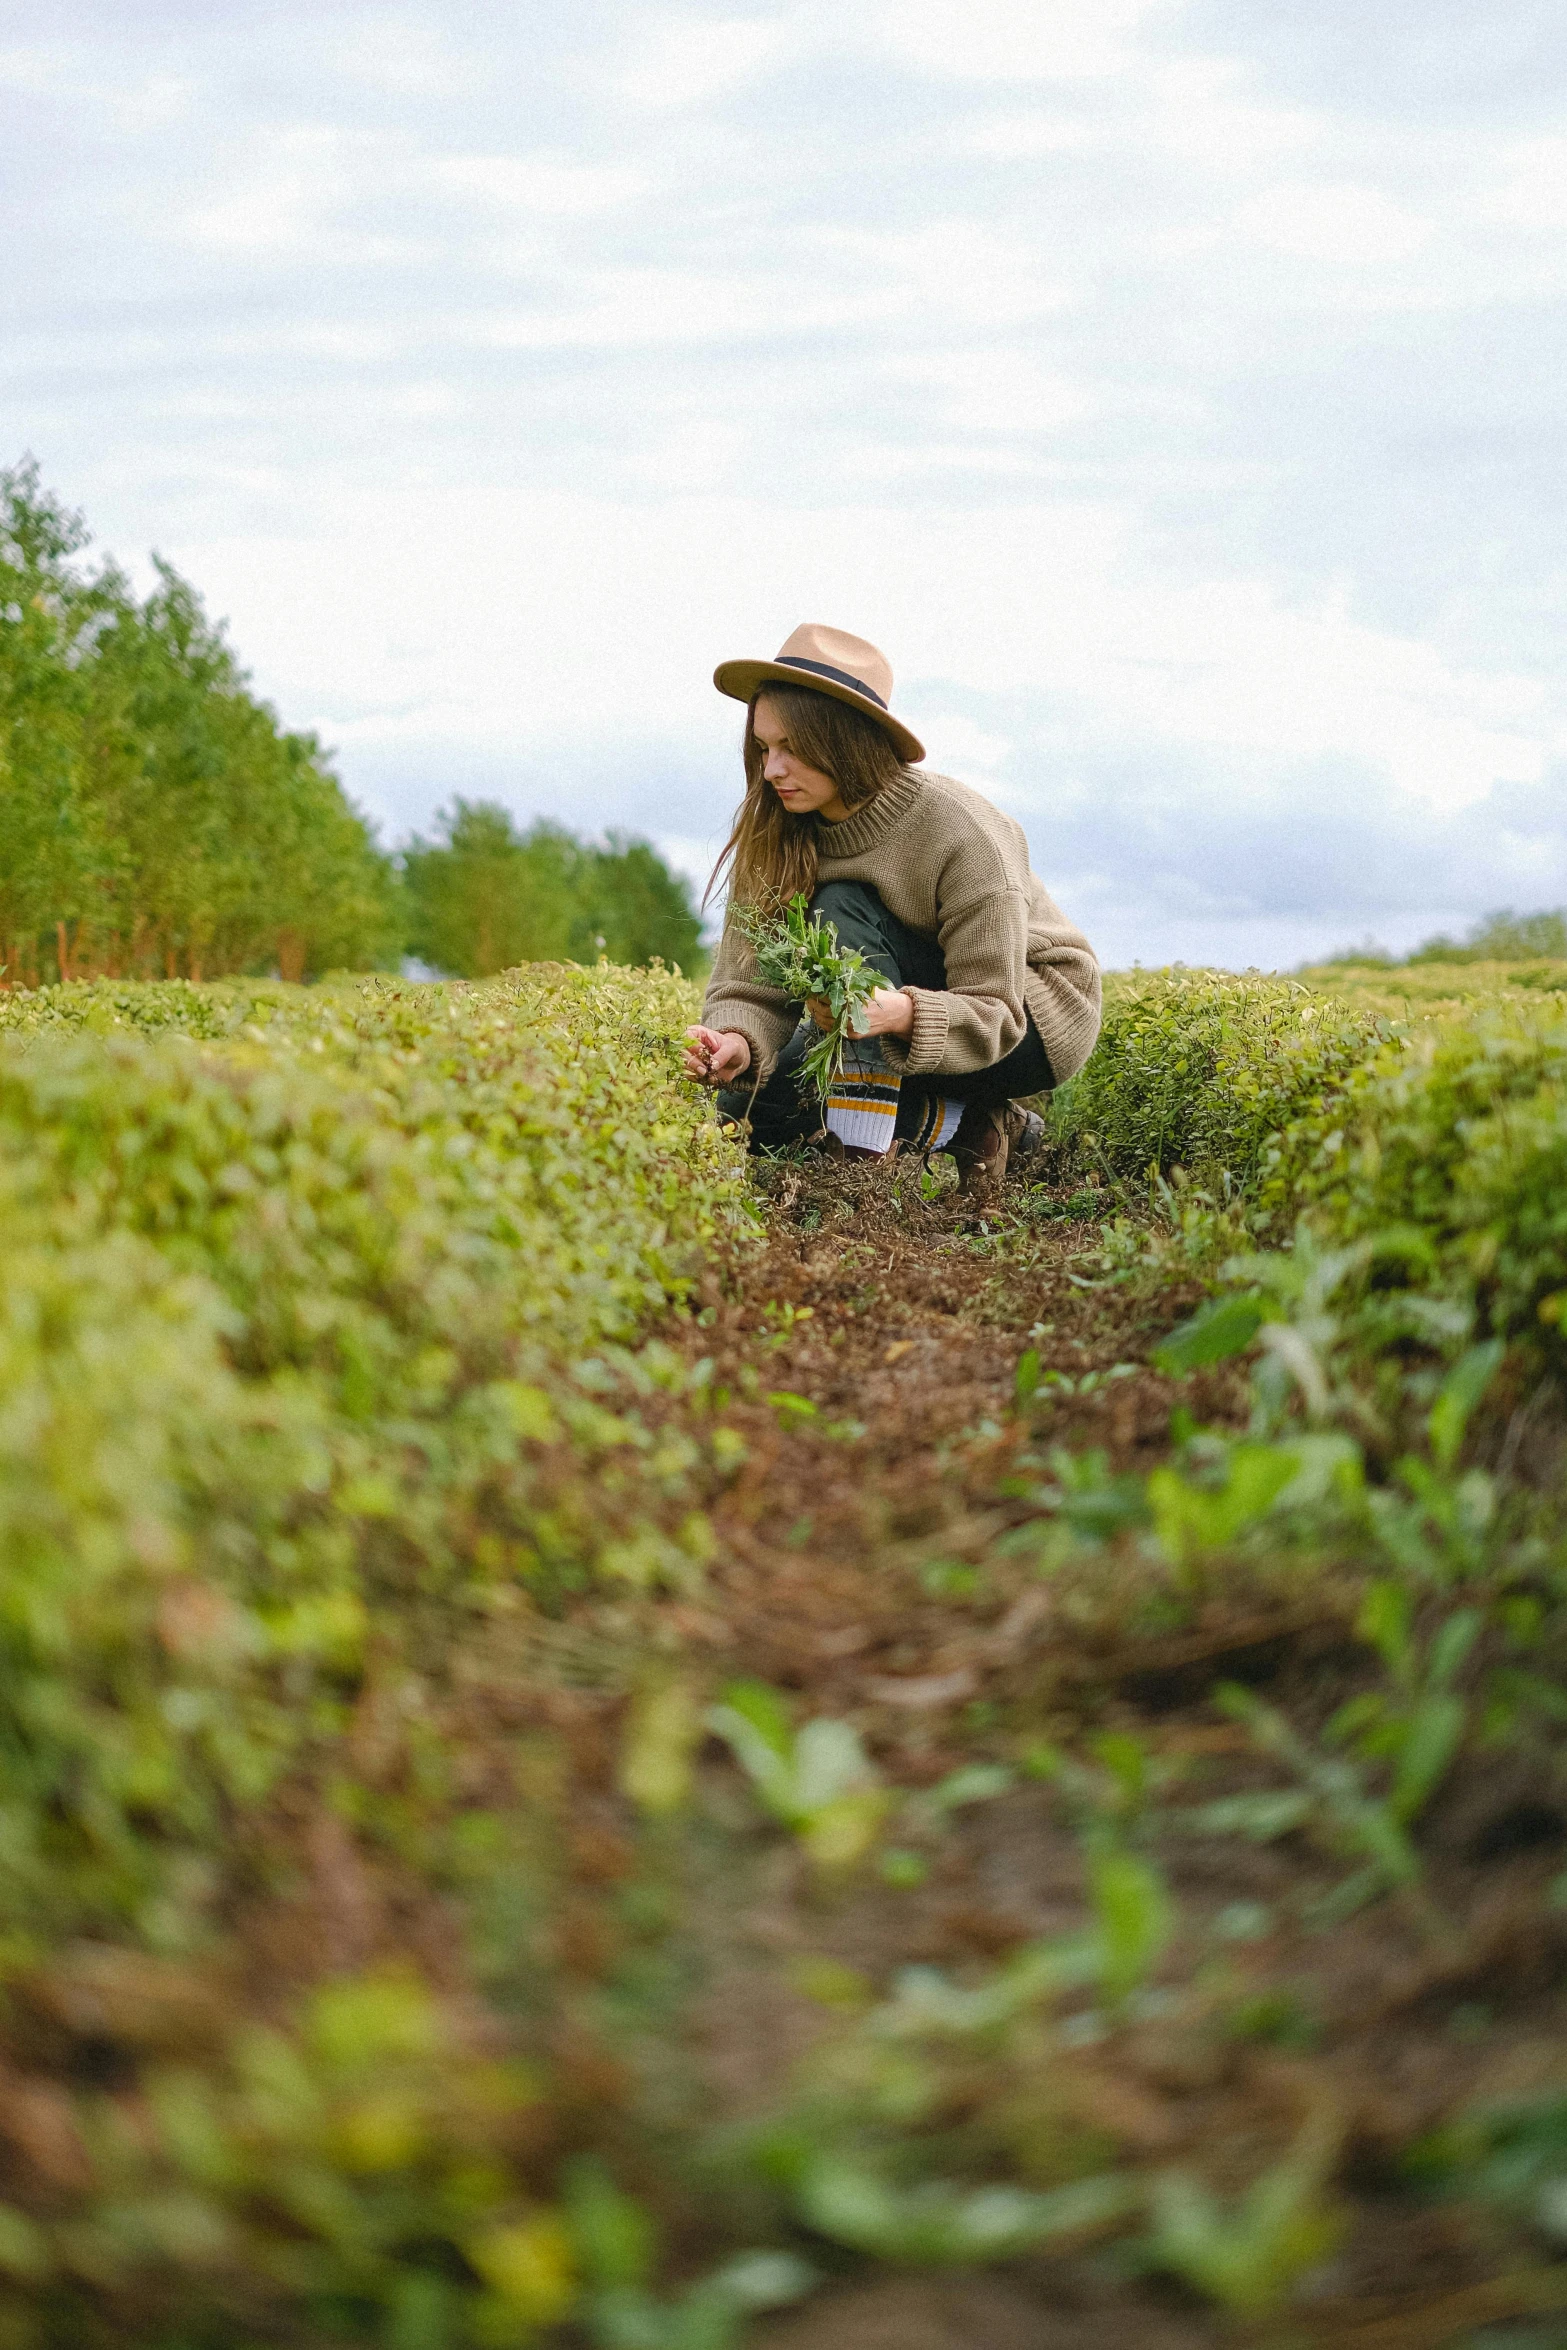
<point x="302" y="1328"/>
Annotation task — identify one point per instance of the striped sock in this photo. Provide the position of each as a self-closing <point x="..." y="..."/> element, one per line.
<point x="951" y="1119"/>
<point x="862" y="1110"/>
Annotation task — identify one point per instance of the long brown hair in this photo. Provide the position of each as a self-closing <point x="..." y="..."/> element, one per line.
<point x="771" y="855"/>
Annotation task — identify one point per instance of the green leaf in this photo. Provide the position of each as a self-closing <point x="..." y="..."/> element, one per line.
<point x="24" y="2249"/>
<point x="829" y="1761"/>
<point x="757" y="2281"/>
<point x="941" y="2224"/>
<point x="1386" y="1614"/>
<point x="1245" y="2255"/>
<point x="1435" y="1733"/>
<point x="613" y="2236"/>
<point x="837" y="1835"/>
<point x="1451" y="1645"/>
<point x="766" y="1711"/>
<point x="769" y="1772"/>
<point x="663" y="1729"/>
<point x="1225" y="1326"/>
<point x="1461" y="1391"/>
<point x="1135" y="1918"/>
<point x="1190" y="1517"/>
<point x="971" y="1783"/>
<point x="1263" y="1817"/>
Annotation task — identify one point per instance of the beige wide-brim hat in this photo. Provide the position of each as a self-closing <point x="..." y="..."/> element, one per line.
<point x="829" y="661"/>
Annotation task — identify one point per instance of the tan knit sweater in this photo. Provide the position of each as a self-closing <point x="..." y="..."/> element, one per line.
<point x="949" y="864"/>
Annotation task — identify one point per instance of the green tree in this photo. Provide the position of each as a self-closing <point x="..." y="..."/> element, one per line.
<point x="636" y="907"/>
<point x="49" y="617"/>
<point x="1503" y="937"/>
<point x="234" y="845"/>
<point x="483" y="896"/>
<point x="153" y="813"/>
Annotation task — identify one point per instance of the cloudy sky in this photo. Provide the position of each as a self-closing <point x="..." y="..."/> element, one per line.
<point x="1172" y="387"/>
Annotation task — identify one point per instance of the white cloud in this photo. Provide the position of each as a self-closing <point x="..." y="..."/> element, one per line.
<point x="554" y="626"/>
<point x="1016" y="40"/>
<point x="694" y="858"/>
<point x="1203" y="110"/>
<point x="140" y="103"/>
<point x="1345" y="226"/>
<point x="1197" y="109"/>
<point x="284" y="200"/>
<point x="995" y="388"/>
<point x="551" y="184"/>
<point x="958" y="271"/>
<point x="406" y="55"/>
<point x="680" y="62"/>
<point x="954" y="743"/>
<point x="1530" y="190"/>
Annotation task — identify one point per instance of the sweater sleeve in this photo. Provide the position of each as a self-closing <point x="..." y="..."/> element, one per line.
<point x="736" y="999"/>
<point x="977" y="1018"/>
<point x="1064" y="994"/>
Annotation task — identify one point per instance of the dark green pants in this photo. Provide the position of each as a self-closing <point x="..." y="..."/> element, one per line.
<point x="781" y="1113"/>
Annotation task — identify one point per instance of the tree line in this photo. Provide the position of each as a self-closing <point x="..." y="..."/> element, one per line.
<point x="156" y="820"/>
<point x="1503" y="937"/>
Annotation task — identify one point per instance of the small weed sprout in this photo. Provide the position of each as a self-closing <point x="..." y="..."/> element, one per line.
<point x="817" y="1782"/>
<point x="1248" y="2254"/>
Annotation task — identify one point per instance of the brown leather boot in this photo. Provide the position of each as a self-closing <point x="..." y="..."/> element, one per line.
<point x="988" y="1141"/>
<point x="980" y="1149"/>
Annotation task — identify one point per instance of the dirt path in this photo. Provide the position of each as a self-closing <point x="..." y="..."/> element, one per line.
<point x="864" y="1566"/>
<point x="864" y="1558"/>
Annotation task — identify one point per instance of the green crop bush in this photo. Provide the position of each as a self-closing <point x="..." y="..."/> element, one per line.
<point x="1398" y="990"/>
<point x="109" y="1007"/>
<point x="1459" y="1137"/>
<point x="305" y="1329"/>
<point x="1199" y="1070"/>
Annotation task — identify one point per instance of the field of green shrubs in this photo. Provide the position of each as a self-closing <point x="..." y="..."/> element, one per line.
<point x="411" y="1409"/>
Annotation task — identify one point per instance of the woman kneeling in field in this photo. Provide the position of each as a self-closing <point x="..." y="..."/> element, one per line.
<point x="991" y="994"/>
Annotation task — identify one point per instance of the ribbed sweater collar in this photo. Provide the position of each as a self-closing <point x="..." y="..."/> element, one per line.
<point x="872" y="823"/>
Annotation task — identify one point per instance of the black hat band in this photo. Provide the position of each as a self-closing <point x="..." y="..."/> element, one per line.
<point x="838" y="676"/>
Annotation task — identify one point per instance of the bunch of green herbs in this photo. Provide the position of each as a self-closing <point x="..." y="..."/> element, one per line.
<point x="800" y="954"/>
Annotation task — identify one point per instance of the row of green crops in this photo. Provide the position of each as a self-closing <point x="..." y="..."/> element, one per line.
<point x="302" y="1329"/>
<point x="1440" y="1134"/>
<point x="1448" y="1150"/>
<point x="1199" y="1069"/>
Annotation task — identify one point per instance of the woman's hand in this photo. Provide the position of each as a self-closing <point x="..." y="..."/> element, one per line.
<point x="890" y="1012"/>
<point x="716" y="1056"/>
